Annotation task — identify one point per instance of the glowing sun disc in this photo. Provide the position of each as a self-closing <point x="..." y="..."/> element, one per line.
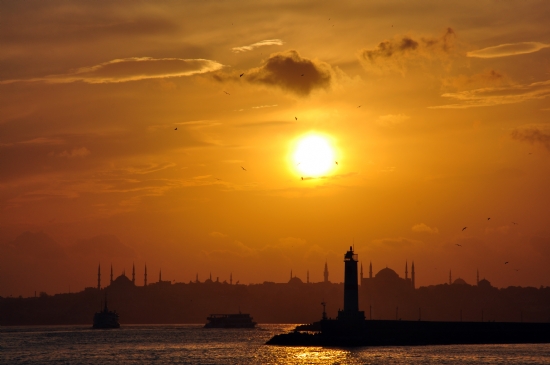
<point x="314" y="156"/>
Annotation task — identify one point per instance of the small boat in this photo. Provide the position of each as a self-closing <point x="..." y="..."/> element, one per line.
<point x="238" y="320"/>
<point x="106" y="318"/>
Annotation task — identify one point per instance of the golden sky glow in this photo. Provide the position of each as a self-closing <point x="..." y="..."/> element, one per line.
<point x="169" y="133"/>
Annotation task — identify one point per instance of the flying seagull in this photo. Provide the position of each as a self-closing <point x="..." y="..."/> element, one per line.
<point x="241" y="75"/>
<point x="302" y="178"/>
<point x="243" y="168"/>
<point x="514" y="222"/>
<point x="336" y="162"/>
<point x="458" y="244"/>
<point x="226" y="92"/>
<point x="359" y="106"/>
<point x="505" y="262"/>
<point x="464" y="228"/>
<point x="488" y="219"/>
<point x="176" y="128"/>
<point x="302" y="74"/>
<point x="296" y="118"/>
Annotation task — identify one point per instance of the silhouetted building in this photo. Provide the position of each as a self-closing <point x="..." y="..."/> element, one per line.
<point x="387" y="278"/>
<point x="99" y="277"/>
<point x="325" y="274"/>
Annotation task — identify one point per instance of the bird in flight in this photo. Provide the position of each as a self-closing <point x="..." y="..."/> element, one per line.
<point x="302" y="74"/>
<point x="296" y="118"/>
<point x="458" y="244"/>
<point x="514" y="223"/>
<point x="488" y="219"/>
<point x="244" y="168"/>
<point x="241" y="75"/>
<point x="176" y="128"/>
<point x="226" y="92"/>
<point x="359" y="106"/>
<point x="464" y="228"/>
<point x="505" y="262"/>
<point x="217" y="178"/>
<point x="336" y="162"/>
<point x="302" y="178"/>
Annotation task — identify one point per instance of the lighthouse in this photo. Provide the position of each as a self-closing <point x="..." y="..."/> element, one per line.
<point x="351" y="289"/>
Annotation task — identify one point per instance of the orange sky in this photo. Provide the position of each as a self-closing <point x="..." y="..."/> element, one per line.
<point x="453" y="128"/>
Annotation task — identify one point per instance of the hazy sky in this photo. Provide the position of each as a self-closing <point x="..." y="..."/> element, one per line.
<point x="438" y="114"/>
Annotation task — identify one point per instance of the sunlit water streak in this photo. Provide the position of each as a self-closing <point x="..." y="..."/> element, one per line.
<point x="192" y="344"/>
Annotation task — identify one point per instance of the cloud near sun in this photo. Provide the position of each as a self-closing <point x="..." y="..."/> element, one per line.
<point x="132" y="69"/>
<point x="509" y="49"/>
<point x="284" y="70"/>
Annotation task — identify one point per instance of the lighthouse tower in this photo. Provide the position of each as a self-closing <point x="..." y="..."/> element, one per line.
<point x="351" y="292"/>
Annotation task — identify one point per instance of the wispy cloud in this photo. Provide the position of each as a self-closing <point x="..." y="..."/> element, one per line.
<point x="130" y="69"/>
<point x="391" y="120"/>
<point x="75" y="152"/>
<point x="491" y="96"/>
<point x="267" y="42"/>
<point x="423" y="228"/>
<point x="35" y="141"/>
<point x="508" y="49"/>
<point x="264" y="106"/>
<point x="217" y="234"/>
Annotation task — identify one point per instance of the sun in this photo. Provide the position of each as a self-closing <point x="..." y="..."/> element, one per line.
<point x="313" y="155"/>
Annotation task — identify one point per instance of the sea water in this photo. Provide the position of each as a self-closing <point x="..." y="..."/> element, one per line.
<point x="192" y="344"/>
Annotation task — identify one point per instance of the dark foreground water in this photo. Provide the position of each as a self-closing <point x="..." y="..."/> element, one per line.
<point x="192" y="344"/>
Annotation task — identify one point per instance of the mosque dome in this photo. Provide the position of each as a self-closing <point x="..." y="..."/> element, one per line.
<point x="295" y="280"/>
<point x="122" y="280"/>
<point x="484" y="283"/>
<point x="387" y="274"/>
<point x="460" y="281"/>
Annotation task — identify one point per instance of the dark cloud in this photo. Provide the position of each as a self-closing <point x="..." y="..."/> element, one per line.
<point x="37" y="245"/>
<point x="284" y="70"/>
<point x="391" y="54"/>
<point x="532" y="135"/>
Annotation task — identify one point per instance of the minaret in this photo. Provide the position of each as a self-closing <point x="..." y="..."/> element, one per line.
<point x="361" y="281"/>
<point x="307" y="280"/>
<point x="326" y="272"/>
<point x="133" y="274"/>
<point x="99" y="277"/>
<point x="450" y="278"/>
<point x="290" y="274"/>
<point x="370" y="270"/>
<point x="210" y="276"/>
<point x="412" y="276"/>
<point x="231" y="279"/>
<point x="145" y="276"/>
<point x="477" y="278"/>
<point x="111" y="273"/>
<point x="406" y="271"/>
<point x="197" y="278"/>
<point x="160" y="275"/>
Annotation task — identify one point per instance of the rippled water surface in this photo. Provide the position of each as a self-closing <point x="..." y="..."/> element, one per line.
<point x="192" y="344"/>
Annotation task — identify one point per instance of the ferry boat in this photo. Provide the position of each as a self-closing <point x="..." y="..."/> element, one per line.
<point x="106" y="318"/>
<point x="238" y="320"/>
